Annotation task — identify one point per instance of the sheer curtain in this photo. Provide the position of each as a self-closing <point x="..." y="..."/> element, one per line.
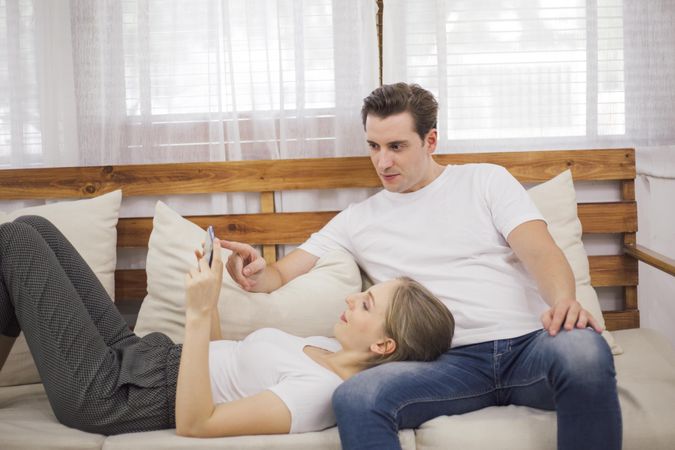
<point x="220" y="80"/>
<point x="140" y="81"/>
<point x="513" y="75"/>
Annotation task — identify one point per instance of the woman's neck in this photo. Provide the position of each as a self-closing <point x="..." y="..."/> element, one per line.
<point x="345" y="363"/>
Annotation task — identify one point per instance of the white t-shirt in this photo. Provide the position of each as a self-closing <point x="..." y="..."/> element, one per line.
<point x="274" y="360"/>
<point x="451" y="237"/>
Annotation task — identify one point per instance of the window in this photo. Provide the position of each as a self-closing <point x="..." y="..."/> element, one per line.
<point x="512" y="69"/>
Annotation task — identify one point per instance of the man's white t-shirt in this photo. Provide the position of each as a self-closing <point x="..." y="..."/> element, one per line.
<point x="270" y="359"/>
<point x="451" y="237"/>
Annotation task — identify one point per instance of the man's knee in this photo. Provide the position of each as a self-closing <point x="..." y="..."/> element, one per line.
<point x="584" y="357"/>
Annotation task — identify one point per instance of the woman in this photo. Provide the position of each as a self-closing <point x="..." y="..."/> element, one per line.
<point x="100" y="377"/>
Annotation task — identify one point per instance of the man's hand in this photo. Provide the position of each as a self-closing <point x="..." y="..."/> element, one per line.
<point x="245" y="265"/>
<point x="568" y="314"/>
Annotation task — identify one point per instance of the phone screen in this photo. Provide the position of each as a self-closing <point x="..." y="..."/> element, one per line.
<point x="208" y="244"/>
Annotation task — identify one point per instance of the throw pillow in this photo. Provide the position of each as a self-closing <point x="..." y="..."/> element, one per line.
<point x="308" y="305"/>
<point x="90" y="225"/>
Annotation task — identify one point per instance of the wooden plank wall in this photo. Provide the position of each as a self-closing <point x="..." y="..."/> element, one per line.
<point x="270" y="228"/>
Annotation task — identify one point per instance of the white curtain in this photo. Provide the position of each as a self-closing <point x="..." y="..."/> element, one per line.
<point x="138" y="81"/>
<point x="520" y="74"/>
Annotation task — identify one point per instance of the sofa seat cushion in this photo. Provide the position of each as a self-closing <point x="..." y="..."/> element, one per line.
<point x="646" y="382"/>
<point x="646" y="378"/>
<point x="167" y="439"/>
<point x="27" y="422"/>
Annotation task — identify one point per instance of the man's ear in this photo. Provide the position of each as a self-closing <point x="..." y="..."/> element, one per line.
<point x="383" y="347"/>
<point x="431" y="140"/>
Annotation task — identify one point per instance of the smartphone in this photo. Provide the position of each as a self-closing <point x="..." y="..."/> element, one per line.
<point x="208" y="244"/>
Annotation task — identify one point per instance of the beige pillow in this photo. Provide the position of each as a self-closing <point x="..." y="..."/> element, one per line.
<point x="309" y="305"/>
<point x="90" y="225"/>
<point x="556" y="200"/>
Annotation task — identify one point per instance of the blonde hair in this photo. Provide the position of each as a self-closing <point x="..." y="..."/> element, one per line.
<point x="419" y="323"/>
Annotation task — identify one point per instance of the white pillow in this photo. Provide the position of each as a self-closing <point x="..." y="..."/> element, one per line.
<point x="556" y="200"/>
<point x="90" y="225"/>
<point x="308" y="305"/>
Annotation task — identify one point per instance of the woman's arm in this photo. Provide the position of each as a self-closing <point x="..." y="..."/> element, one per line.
<point x="196" y="414"/>
<point x="216" y="332"/>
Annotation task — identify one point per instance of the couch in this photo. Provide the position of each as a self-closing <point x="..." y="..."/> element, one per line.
<point x="152" y="297"/>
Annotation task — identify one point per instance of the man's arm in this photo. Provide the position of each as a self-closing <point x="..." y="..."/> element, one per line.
<point x="542" y="257"/>
<point x="249" y="269"/>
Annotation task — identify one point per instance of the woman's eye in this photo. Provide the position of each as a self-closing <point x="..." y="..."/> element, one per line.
<point x="365" y="306"/>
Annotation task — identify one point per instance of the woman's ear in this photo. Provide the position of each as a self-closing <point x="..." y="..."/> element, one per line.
<point x="384" y="347"/>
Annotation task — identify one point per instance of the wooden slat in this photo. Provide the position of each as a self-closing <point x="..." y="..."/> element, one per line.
<point x="655" y="259"/>
<point x="295" y="228"/>
<point x="537" y="166"/>
<point x="612" y="217"/>
<point x="130" y="284"/>
<point x="621" y="320"/>
<point x="628" y="190"/>
<point x="613" y="270"/>
<point x="255" y="229"/>
<point x="269" y="251"/>
<point x="277" y="175"/>
<point x="630" y="297"/>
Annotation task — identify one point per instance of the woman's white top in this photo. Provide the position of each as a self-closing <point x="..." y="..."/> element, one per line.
<point x="274" y="360"/>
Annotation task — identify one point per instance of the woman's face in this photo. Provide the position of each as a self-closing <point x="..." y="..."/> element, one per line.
<point x="362" y="323"/>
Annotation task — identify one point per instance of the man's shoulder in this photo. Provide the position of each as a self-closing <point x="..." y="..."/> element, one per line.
<point x="472" y="172"/>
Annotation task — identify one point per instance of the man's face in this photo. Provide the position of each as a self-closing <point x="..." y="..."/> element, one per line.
<point x="401" y="158"/>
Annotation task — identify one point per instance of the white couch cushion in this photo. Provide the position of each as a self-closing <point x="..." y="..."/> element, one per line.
<point x="557" y="202"/>
<point x="90" y="225"/>
<point x="27" y="422"/>
<point x="645" y="373"/>
<point x="308" y="305"/>
<point x="167" y="440"/>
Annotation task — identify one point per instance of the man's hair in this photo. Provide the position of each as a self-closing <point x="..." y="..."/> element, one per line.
<point x="391" y="99"/>
<point x="419" y="323"/>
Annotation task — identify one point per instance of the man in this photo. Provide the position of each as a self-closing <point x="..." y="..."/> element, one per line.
<point x="472" y="236"/>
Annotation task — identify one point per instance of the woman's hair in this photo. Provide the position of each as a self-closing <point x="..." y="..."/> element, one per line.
<point x="419" y="322"/>
<point x="391" y="99"/>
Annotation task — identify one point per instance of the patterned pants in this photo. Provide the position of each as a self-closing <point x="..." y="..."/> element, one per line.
<point x="99" y="376"/>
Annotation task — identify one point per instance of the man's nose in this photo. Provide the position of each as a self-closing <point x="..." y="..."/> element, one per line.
<point x="350" y="302"/>
<point x="384" y="160"/>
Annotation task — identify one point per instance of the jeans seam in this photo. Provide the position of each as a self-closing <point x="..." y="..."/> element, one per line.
<point x="437" y="399"/>
<point x="528" y="383"/>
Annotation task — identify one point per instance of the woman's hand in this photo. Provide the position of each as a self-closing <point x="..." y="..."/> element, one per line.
<point x="202" y="283"/>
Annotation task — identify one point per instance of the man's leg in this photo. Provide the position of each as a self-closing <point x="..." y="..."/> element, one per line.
<point x="572" y="372"/>
<point x="371" y="406"/>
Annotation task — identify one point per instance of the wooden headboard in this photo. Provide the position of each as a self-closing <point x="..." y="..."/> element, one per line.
<point x="271" y="229"/>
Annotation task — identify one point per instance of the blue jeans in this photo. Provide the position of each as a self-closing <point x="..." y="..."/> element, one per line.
<point x="571" y="373"/>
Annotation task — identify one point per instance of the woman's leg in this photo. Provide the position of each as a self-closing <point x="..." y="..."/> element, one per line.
<point x="6" y="344"/>
<point x="90" y="384"/>
<point x="110" y="324"/>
